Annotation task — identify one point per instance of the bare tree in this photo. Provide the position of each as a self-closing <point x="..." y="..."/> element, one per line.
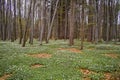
<point x="42" y="20"/>
<point x="27" y="25"/>
<point x="52" y="21"/>
<point x="82" y="26"/>
<point x="20" y="23"/>
<point x="32" y="22"/>
<point x="72" y="22"/>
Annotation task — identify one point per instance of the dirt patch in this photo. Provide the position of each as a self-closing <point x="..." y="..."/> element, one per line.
<point x="86" y="74"/>
<point x="71" y="50"/>
<point x="112" y="55"/>
<point x="43" y="55"/>
<point x="4" y="77"/>
<point x="86" y="71"/>
<point x="108" y="76"/>
<point x="36" y="65"/>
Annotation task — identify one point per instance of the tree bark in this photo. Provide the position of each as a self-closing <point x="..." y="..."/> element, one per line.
<point x="72" y="22"/>
<point x="26" y="27"/>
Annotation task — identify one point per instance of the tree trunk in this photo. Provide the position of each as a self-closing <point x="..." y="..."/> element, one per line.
<point x="26" y="27"/>
<point x="20" y="23"/>
<point x="52" y="21"/>
<point x="72" y="22"/>
<point x="32" y="26"/>
<point x="82" y="27"/>
<point x="42" y="20"/>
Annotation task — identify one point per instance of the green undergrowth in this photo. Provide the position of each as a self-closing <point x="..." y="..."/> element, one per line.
<point x="63" y="65"/>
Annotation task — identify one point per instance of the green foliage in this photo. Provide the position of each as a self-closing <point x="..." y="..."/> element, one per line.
<point x="107" y="47"/>
<point x="20" y="73"/>
<point x="63" y="65"/>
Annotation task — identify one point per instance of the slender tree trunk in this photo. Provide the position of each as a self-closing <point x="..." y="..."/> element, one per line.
<point x="90" y="22"/>
<point x="52" y="21"/>
<point x="42" y="20"/>
<point x="0" y="20"/>
<point x="20" y="23"/>
<point x="66" y="19"/>
<point x="96" y="22"/>
<point x="72" y="22"/>
<point x="26" y="27"/>
<point x="14" y="25"/>
<point x="82" y="27"/>
<point x="3" y="20"/>
<point x="32" y="26"/>
<point x="108" y="27"/>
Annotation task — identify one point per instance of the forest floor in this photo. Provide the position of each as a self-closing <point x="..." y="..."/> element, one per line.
<point x="58" y="61"/>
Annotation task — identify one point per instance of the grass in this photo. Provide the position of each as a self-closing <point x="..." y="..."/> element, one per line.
<point x="63" y="65"/>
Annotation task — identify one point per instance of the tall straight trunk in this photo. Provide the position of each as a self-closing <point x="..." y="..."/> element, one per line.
<point x="115" y="17"/>
<point x="100" y="20"/>
<point x="14" y="25"/>
<point x="25" y="9"/>
<point x="61" y="26"/>
<point x="57" y="26"/>
<point x="6" y="20"/>
<point x="82" y="27"/>
<point x="104" y="22"/>
<point x="11" y="23"/>
<point x="49" y="19"/>
<point x="90" y="22"/>
<point x="96" y="20"/>
<point x="32" y="26"/>
<point x="3" y="19"/>
<point x="72" y="22"/>
<point x="108" y="27"/>
<point x="27" y="25"/>
<point x="66" y="19"/>
<point x="39" y="18"/>
<point x="0" y="19"/>
<point x="46" y="23"/>
<point x="52" y="21"/>
<point x="20" y="23"/>
<point x="42" y="20"/>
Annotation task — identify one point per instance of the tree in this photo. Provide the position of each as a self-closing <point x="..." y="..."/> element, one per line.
<point x="82" y="26"/>
<point x="72" y="22"/>
<point x="14" y="34"/>
<point x="32" y="22"/>
<point x="42" y="20"/>
<point x="52" y="21"/>
<point x="20" y="23"/>
<point x="26" y="26"/>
